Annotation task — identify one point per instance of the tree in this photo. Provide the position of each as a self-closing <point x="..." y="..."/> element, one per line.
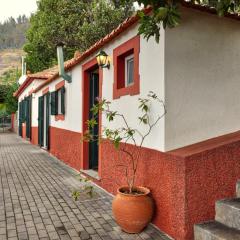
<point x="13" y="32"/>
<point x="166" y="13"/>
<point x="76" y="23"/>
<point x="7" y="87"/>
<point x="10" y="101"/>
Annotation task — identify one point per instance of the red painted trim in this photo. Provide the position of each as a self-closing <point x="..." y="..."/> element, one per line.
<point x="60" y="85"/>
<point x="86" y="68"/>
<point x="60" y="117"/>
<point x="132" y="46"/>
<point x="45" y="91"/>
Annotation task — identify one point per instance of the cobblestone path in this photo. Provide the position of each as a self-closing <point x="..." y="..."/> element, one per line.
<point x="36" y="202"/>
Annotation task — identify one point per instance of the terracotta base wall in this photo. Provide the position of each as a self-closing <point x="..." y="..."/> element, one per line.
<point x="185" y="183"/>
<point x="212" y="170"/>
<point x="66" y="146"/>
<point x="34" y="135"/>
<point x="24" y="131"/>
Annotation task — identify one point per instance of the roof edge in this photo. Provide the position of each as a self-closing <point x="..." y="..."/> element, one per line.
<point x="120" y="29"/>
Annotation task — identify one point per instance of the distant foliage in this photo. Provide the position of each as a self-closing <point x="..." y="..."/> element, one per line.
<point x="12" y="32"/>
<point x="7" y="87"/>
<point x="76" y="23"/>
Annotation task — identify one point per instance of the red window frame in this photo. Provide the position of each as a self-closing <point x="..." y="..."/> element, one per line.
<point x="132" y="46"/>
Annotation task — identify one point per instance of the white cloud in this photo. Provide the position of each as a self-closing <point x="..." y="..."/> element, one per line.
<point x="14" y="8"/>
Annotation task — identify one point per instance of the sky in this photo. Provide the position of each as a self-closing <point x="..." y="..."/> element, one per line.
<point x="14" y="8"/>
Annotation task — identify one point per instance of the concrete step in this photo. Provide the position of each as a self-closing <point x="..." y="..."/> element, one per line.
<point x="238" y="188"/>
<point x="228" y="212"/>
<point x="215" y="231"/>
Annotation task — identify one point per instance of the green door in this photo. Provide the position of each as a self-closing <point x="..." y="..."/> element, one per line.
<point x="47" y="116"/>
<point x="28" y="116"/>
<point x="20" y="115"/>
<point x="93" y="95"/>
<point x="40" y="120"/>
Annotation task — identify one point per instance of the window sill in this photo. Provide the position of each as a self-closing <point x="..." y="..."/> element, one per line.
<point x="130" y="90"/>
<point x="60" y="117"/>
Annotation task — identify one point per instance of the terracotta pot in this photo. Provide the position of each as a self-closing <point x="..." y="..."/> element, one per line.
<point x="133" y="212"/>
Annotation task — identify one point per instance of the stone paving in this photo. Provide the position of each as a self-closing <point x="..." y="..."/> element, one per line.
<point x="36" y="202"/>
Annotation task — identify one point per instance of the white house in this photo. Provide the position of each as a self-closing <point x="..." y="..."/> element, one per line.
<point x="191" y="158"/>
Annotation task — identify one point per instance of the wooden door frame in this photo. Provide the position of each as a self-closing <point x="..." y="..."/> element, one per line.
<point x="86" y="69"/>
<point x="40" y="121"/>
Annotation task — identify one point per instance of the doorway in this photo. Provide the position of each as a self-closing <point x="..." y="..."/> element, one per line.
<point x="28" y="116"/>
<point x="93" y="99"/>
<point x="43" y="120"/>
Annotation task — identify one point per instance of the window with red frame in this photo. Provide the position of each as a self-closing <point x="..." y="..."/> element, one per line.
<point x="126" y="68"/>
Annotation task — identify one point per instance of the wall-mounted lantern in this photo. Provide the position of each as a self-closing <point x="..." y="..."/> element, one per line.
<point x="60" y="57"/>
<point x="103" y="60"/>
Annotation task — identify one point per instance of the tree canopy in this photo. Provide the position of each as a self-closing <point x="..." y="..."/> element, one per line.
<point x="7" y="87"/>
<point x="76" y="23"/>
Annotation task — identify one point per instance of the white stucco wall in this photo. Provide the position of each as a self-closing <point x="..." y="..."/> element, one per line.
<point x="25" y="93"/>
<point x="151" y="70"/>
<point x="202" y="78"/>
<point x="29" y="88"/>
<point x="151" y="79"/>
<point x="73" y="102"/>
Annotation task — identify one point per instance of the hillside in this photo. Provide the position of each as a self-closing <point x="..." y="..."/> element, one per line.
<point x="12" y="39"/>
<point x="13" y="32"/>
<point x="10" y="59"/>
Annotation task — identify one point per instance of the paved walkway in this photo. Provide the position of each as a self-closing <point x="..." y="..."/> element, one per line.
<point x="36" y="202"/>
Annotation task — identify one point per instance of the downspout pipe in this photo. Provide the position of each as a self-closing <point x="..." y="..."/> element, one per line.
<point x="24" y="66"/>
<point x="60" y="57"/>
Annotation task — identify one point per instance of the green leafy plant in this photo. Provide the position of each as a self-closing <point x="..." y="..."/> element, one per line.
<point x="120" y="137"/>
<point x="166" y="13"/>
<point x="86" y="188"/>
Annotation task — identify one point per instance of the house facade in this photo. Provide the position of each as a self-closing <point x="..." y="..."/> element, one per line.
<point x="191" y="159"/>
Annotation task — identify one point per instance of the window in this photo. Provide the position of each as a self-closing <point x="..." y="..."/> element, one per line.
<point x="126" y="68"/>
<point x="58" y="102"/>
<point x="129" y="70"/>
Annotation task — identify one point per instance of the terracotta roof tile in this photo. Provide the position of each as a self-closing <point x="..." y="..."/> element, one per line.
<point x="44" y="75"/>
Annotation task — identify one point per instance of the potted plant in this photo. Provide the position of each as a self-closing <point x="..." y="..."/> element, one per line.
<point x="132" y="206"/>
